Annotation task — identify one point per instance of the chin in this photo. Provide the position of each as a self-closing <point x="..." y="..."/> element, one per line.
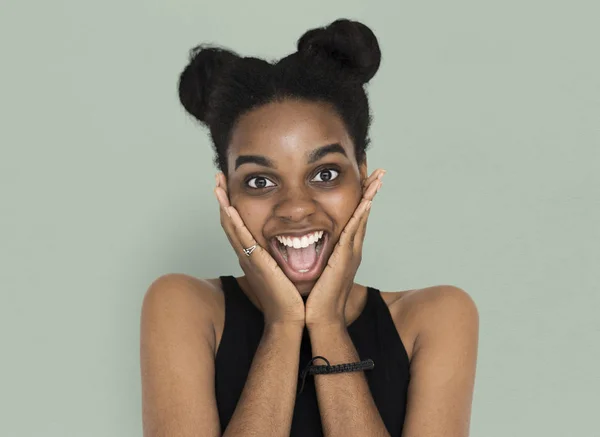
<point x="304" y="288"/>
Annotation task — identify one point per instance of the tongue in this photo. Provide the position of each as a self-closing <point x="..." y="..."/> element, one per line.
<point x="303" y="258"/>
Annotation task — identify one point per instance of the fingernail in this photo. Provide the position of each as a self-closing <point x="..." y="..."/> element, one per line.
<point x="227" y="212"/>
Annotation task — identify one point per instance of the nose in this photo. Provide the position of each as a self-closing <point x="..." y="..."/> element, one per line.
<point x="295" y="205"/>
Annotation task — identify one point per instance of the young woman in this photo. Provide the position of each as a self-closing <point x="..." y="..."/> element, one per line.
<point x="224" y="356"/>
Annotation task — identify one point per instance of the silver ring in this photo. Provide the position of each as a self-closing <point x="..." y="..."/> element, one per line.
<point x="249" y="250"/>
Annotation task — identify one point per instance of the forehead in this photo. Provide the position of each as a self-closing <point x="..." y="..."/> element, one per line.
<point x="288" y="130"/>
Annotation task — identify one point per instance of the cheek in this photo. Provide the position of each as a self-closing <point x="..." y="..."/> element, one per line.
<point x="254" y="216"/>
<point x="342" y="204"/>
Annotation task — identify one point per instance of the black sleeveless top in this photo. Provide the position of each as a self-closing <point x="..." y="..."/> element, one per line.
<point x="373" y="334"/>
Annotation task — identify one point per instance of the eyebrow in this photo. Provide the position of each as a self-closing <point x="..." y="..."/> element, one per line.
<point x="319" y="153"/>
<point x="255" y="159"/>
<point x="314" y="156"/>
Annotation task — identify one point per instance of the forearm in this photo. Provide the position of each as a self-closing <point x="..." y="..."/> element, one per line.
<point x="345" y="401"/>
<point x="266" y="404"/>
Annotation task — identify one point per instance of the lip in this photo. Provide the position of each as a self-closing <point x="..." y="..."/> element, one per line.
<point x="293" y="275"/>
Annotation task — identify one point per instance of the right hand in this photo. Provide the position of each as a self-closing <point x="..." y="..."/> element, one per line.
<point x="279" y="299"/>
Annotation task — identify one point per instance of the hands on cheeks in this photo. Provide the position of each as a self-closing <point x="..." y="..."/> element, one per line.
<point x="326" y="302"/>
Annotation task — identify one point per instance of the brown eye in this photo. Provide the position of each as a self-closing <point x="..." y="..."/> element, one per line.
<point x="259" y="182"/>
<point x="327" y="175"/>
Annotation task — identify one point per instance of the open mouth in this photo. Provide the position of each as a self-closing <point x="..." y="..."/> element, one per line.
<point x="301" y="259"/>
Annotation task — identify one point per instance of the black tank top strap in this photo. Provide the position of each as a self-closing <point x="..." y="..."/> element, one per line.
<point x="366" y="313"/>
<point x="386" y="330"/>
<point x="375" y="329"/>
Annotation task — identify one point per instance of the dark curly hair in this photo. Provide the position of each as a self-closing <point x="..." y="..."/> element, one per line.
<point x="332" y="65"/>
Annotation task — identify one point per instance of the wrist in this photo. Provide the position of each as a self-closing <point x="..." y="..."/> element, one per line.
<point x="327" y="326"/>
<point x="284" y="327"/>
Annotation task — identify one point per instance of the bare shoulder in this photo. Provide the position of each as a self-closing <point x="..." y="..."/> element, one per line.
<point x="176" y="357"/>
<point x="426" y="310"/>
<point x="439" y="297"/>
<point x="445" y="323"/>
<point x="182" y="298"/>
<point x="449" y="318"/>
<point x="445" y="303"/>
<point x="179" y="286"/>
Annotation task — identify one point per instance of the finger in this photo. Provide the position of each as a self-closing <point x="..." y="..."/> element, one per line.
<point x="346" y="241"/>
<point x="226" y="222"/>
<point x="373" y="176"/>
<point x="260" y="257"/>
<point x="362" y="226"/>
<point x="362" y="230"/>
<point x="222" y="197"/>
<point x="350" y="230"/>
<point x="247" y="240"/>
<point x="222" y="182"/>
<point x="230" y="233"/>
<point x="369" y="194"/>
<point x="373" y="189"/>
<point x="377" y="174"/>
<point x="242" y="232"/>
<point x="236" y="230"/>
<point x="238" y="234"/>
<point x="240" y="238"/>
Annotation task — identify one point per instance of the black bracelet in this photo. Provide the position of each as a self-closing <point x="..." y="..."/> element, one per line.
<point x="367" y="364"/>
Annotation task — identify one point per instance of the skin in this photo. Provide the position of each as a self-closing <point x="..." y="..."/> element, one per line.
<point x="438" y="325"/>
<point x="292" y="167"/>
<point x="286" y="132"/>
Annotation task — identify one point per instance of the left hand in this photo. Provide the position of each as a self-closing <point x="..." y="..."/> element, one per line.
<point x="326" y="303"/>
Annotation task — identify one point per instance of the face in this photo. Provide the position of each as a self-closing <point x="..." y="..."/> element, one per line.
<point x="292" y="173"/>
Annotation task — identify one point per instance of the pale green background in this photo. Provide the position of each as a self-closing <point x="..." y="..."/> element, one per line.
<point x="487" y="118"/>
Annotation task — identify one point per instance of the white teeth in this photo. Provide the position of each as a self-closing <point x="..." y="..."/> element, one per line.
<point x="297" y="243"/>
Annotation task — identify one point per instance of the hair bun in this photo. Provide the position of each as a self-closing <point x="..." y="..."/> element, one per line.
<point x="198" y="78"/>
<point x="350" y="44"/>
